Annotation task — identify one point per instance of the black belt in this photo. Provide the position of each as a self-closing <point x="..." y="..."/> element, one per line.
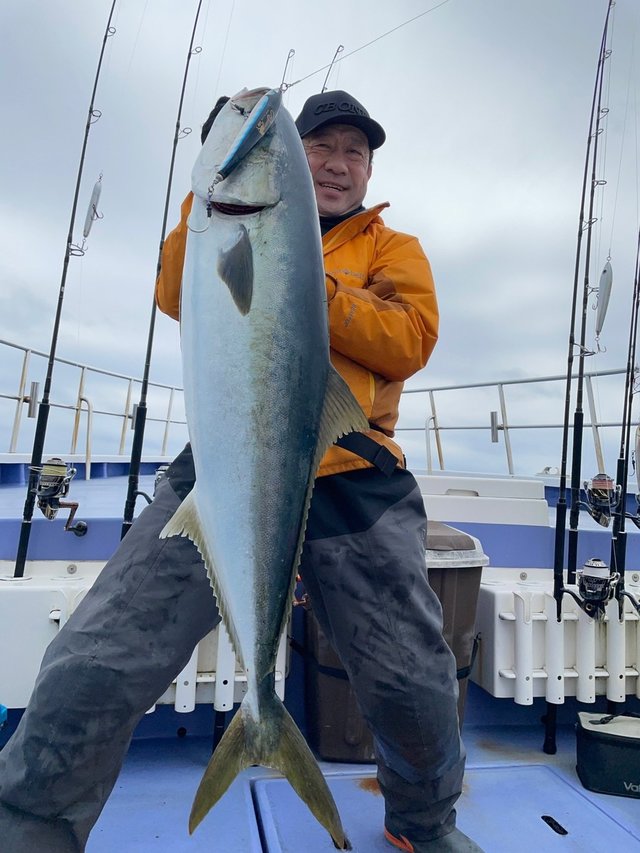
<point x="365" y="447"/>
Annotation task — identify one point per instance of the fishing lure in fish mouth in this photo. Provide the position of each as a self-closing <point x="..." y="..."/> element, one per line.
<point x="259" y="119"/>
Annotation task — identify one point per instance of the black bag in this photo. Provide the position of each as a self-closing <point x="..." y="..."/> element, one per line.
<point x="608" y="753"/>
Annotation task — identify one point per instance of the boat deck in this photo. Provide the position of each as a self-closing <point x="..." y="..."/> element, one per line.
<point x="515" y="798"/>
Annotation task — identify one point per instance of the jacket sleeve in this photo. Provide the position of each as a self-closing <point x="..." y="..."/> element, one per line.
<point x="390" y="326"/>
<point x="171" y="263"/>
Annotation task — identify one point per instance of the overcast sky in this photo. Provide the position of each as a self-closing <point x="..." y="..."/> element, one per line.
<point x="486" y="106"/>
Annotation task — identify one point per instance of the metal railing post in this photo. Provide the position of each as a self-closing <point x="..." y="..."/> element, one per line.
<point x="125" y="419"/>
<point x="505" y="428"/>
<point x="167" y="423"/>
<point x="78" y="407"/>
<point x="87" y="458"/>
<point x="595" y="429"/>
<point x="18" y="415"/>
<point x="436" y="430"/>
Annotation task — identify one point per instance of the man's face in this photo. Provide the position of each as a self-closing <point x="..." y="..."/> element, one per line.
<point x="338" y="156"/>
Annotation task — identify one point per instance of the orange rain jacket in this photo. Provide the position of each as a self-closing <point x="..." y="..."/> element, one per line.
<point x="383" y="315"/>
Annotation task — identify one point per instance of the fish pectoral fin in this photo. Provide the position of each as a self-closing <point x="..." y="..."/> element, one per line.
<point x="341" y="413"/>
<point x="273" y="741"/>
<point x="235" y="268"/>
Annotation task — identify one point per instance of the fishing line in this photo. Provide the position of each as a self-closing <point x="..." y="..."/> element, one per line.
<point x="44" y="407"/>
<point x="224" y="46"/>
<point x="368" y="44"/>
<point x="141" y="408"/>
<point x="203" y="39"/>
<point x="625" y="118"/>
<point x="136" y="40"/>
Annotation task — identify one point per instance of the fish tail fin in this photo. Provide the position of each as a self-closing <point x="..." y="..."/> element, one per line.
<point x="229" y="758"/>
<point x="275" y="741"/>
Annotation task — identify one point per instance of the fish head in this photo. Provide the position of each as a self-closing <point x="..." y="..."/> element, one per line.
<point x="253" y="182"/>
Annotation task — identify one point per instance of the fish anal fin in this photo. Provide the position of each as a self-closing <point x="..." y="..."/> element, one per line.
<point x="235" y="268"/>
<point x="186" y="522"/>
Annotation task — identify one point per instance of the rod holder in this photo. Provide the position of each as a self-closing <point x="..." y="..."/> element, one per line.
<point x="32" y="400"/>
<point x="495" y="426"/>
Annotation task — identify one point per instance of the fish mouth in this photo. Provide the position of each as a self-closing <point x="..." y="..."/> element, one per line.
<point x="228" y="209"/>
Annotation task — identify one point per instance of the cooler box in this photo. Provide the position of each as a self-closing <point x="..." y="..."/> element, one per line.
<point x="336" y="728"/>
<point x="608" y="753"/>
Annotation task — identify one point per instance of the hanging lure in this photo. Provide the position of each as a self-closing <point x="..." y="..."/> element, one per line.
<point x="258" y="122"/>
<point x="604" y="292"/>
<point x="92" y="210"/>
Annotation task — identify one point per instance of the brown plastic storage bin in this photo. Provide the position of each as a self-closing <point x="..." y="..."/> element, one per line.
<point x="337" y="730"/>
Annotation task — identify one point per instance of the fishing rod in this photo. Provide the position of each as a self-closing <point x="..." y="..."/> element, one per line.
<point x="140" y="416"/>
<point x="585" y="224"/>
<point x="35" y="466"/>
<point x="619" y="514"/>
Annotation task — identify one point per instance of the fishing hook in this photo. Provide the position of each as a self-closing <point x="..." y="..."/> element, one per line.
<point x="197" y="230"/>
<point x="600" y="350"/>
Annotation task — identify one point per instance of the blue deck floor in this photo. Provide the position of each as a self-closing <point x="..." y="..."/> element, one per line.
<point x="509" y="786"/>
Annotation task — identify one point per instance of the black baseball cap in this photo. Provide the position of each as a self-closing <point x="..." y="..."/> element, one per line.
<point x="338" y="107"/>
<point x="206" y="127"/>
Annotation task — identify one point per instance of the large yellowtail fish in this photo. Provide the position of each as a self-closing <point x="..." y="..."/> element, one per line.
<point x="263" y="404"/>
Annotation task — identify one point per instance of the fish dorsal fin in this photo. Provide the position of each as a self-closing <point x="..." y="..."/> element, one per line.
<point x="341" y="414"/>
<point x="186" y="522"/>
<point x="235" y="268"/>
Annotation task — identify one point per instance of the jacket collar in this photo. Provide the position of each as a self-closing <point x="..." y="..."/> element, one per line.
<point x="348" y="229"/>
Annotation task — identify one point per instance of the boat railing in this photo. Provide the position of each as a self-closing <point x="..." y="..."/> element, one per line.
<point x="501" y="420"/>
<point x="447" y="410"/>
<point x="89" y="407"/>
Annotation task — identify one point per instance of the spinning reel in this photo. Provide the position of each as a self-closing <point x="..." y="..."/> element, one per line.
<point x="52" y="485"/>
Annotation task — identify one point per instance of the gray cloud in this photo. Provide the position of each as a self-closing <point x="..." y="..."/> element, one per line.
<point x="486" y="107"/>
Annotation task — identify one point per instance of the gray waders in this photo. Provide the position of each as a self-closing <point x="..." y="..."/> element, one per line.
<point x="363" y="566"/>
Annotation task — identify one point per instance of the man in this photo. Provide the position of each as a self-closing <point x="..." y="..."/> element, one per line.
<point x="363" y="561"/>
